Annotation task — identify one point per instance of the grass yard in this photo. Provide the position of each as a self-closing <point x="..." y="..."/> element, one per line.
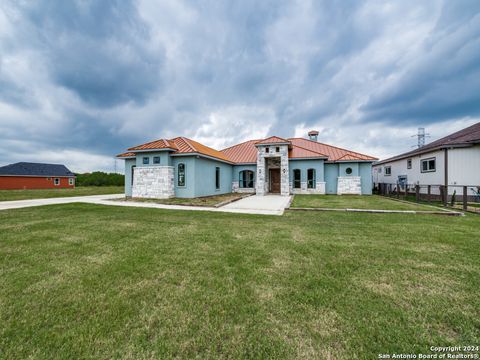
<point x="91" y="281"/>
<point x="9" y="195"/>
<point x="200" y="201"/>
<point x="374" y="202"/>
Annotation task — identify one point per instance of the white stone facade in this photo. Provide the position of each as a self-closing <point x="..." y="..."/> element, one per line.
<point x="262" y="184"/>
<point x="351" y="185"/>
<point x="237" y="189"/>
<point x="154" y="182"/>
<point x="319" y="189"/>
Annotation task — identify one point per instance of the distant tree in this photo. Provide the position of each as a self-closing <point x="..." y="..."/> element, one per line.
<point x="99" y="178"/>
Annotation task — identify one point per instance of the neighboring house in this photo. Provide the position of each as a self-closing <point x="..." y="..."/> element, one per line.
<point x="182" y="167"/>
<point x="25" y="175"/>
<point x="453" y="161"/>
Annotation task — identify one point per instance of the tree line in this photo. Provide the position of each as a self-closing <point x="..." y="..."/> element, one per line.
<point x="100" y="178"/>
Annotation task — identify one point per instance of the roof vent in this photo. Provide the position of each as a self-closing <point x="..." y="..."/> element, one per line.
<point x="313" y="135"/>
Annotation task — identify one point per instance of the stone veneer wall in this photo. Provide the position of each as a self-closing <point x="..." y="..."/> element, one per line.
<point x="349" y="185"/>
<point x="237" y="189"/>
<point x="320" y="188"/>
<point x="155" y="182"/>
<point x="262" y="178"/>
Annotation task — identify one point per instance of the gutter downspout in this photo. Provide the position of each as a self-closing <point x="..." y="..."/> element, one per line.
<point x="445" y="152"/>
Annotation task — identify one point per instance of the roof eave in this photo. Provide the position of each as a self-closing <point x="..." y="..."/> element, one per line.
<point x="204" y="156"/>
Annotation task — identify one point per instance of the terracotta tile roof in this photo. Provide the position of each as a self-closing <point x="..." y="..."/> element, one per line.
<point x="185" y="145"/>
<point x="298" y="152"/>
<point x="179" y="145"/>
<point x="157" y="144"/>
<point x="272" y="140"/>
<point x="127" y="154"/>
<point x="332" y="152"/>
<point x="465" y="137"/>
<point x="245" y="152"/>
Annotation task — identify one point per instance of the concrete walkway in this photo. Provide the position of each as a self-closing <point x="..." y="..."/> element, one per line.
<point x="262" y="205"/>
<point x="17" y="204"/>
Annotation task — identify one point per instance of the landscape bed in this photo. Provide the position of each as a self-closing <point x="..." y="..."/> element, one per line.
<point x="11" y="195"/>
<point x="92" y="281"/>
<point x="207" y="201"/>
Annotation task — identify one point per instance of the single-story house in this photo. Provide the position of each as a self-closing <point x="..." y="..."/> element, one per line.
<point x="26" y="175"/>
<point x="184" y="168"/>
<point x="453" y="160"/>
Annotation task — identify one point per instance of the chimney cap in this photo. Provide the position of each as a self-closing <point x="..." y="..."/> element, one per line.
<point x="313" y="132"/>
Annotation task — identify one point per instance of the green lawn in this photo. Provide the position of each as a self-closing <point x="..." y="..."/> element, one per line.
<point x="199" y="201"/>
<point x="91" y="281"/>
<point x="373" y="202"/>
<point x="8" y="195"/>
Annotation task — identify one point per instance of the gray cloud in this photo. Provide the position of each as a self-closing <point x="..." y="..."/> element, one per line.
<point x="94" y="77"/>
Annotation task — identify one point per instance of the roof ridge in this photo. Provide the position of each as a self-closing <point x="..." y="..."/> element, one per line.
<point x="310" y="150"/>
<point x="333" y="146"/>
<point x="187" y="140"/>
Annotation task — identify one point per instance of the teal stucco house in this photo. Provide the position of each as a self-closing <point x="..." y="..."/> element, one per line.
<point x="184" y="168"/>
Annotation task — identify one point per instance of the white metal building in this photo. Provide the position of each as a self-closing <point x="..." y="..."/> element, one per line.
<point x="453" y="161"/>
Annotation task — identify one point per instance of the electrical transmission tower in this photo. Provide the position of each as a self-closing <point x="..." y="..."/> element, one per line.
<point x="421" y="135"/>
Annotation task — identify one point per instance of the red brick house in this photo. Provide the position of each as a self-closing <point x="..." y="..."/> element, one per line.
<point x="24" y="175"/>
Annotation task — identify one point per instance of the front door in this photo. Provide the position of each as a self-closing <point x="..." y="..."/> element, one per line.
<point x="275" y="180"/>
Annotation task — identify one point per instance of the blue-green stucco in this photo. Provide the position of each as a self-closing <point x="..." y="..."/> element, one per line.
<point x="331" y="175"/>
<point x="200" y="173"/>
<point x="128" y="176"/>
<point x="304" y="165"/>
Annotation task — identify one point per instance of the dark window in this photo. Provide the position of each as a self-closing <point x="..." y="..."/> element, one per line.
<point x="388" y="170"/>
<point x="56" y="181"/>
<point x="267" y="150"/>
<point x="429" y="165"/>
<point x="156" y="159"/>
<point x="181" y="175"/>
<point x="246" y="179"/>
<point x="217" y="178"/>
<point x="311" y="181"/>
<point x="277" y="149"/>
<point x="297" y="179"/>
<point x="133" y="172"/>
<point x="71" y="181"/>
<point x="146" y="160"/>
<point x="409" y="163"/>
<point x="348" y="171"/>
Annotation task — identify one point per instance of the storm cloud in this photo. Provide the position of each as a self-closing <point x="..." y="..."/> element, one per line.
<point x="82" y="80"/>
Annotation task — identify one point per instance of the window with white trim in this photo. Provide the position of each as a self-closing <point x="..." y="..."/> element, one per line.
<point x="297" y="175"/>
<point x="429" y="165"/>
<point x="181" y="174"/>
<point x="217" y="178"/>
<point x="71" y="181"/>
<point x="311" y="179"/>
<point x="409" y="163"/>
<point x="246" y="179"/>
<point x="388" y="170"/>
<point x="56" y="181"/>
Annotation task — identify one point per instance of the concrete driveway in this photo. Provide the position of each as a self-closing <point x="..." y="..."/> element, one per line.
<point x="268" y="204"/>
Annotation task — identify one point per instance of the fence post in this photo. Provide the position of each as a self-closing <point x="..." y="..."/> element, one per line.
<point x="398" y="190"/>
<point x="417" y="193"/>
<point x="429" y="192"/>
<point x="445" y="195"/>
<point x="465" y="198"/>
<point x="406" y="191"/>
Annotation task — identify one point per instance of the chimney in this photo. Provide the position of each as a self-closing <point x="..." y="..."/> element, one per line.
<point x="313" y="135"/>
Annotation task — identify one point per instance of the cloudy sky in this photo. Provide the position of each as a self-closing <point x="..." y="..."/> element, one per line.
<point x="80" y="81"/>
